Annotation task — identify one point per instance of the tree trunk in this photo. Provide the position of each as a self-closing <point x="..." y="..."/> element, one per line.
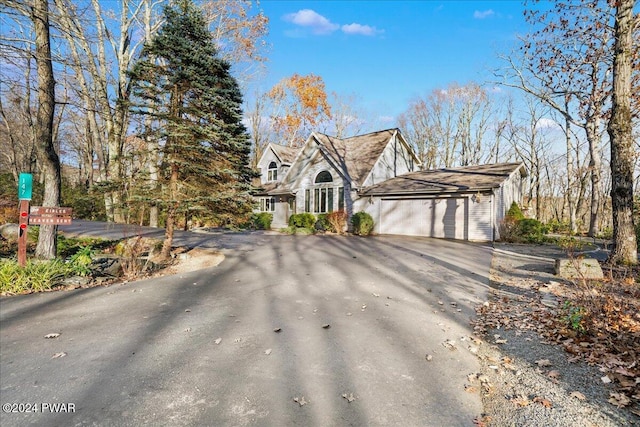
<point x="171" y="214"/>
<point x="571" y="198"/>
<point x="620" y="133"/>
<point x="49" y="159"/>
<point x="594" y="167"/>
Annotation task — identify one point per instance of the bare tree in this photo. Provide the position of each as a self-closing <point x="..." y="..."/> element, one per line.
<point x="47" y="155"/>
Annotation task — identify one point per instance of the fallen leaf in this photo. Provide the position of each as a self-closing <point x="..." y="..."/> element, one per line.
<point x="578" y="395"/>
<point x="605" y="379"/>
<point x="187" y="311"/>
<point x="428" y="357"/>
<point x="543" y="362"/>
<point x="470" y="389"/>
<point x="451" y="345"/>
<point x="188" y="330"/>
<point x="520" y="400"/>
<point x="53" y="335"/>
<point x="553" y="374"/>
<point x="619" y="399"/>
<point x="300" y="400"/>
<point x="277" y="330"/>
<point x="57" y="355"/>
<point x="544" y="402"/>
<point x="267" y="351"/>
<point x="349" y="397"/>
<point x="375" y="295"/>
<point x="218" y="341"/>
<point x="326" y="326"/>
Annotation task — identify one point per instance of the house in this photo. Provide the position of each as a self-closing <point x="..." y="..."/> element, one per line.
<point x="378" y="173"/>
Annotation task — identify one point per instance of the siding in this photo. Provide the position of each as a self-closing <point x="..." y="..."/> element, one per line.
<point x="480" y="221"/>
<point x="395" y="160"/>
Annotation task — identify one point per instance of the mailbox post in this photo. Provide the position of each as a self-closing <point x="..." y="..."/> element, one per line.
<point x="25" y="187"/>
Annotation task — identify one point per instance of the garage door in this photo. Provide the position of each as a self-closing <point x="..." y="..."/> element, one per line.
<point x="442" y="217"/>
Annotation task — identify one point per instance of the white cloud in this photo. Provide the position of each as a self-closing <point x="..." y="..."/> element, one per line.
<point x="545" y="123"/>
<point x="386" y="119"/>
<point x="483" y="14"/>
<point x="313" y="20"/>
<point x="363" y="30"/>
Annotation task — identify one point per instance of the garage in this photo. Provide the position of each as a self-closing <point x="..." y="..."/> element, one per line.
<point x="433" y="217"/>
<point x="464" y="203"/>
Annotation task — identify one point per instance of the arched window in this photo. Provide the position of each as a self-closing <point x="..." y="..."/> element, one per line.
<point x="323" y="177"/>
<point x="323" y="195"/>
<point x="272" y="174"/>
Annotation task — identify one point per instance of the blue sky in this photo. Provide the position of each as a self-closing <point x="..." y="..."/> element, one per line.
<point x="388" y="52"/>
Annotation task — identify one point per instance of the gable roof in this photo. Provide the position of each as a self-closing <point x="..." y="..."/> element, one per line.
<point x="285" y="154"/>
<point x="448" y="180"/>
<point x="355" y="157"/>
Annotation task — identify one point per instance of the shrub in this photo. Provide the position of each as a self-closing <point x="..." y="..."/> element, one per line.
<point x="337" y="221"/>
<point x="515" y="212"/>
<point x="322" y="223"/>
<point x="362" y="223"/>
<point x="531" y="230"/>
<point x="262" y="220"/>
<point x="302" y="220"/>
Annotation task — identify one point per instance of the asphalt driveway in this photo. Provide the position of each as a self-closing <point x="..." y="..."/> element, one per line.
<point x="356" y="317"/>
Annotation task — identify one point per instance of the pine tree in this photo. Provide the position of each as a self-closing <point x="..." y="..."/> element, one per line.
<point x="195" y="104"/>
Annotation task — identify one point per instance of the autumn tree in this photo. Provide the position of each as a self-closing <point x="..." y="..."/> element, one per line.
<point x="188" y="90"/>
<point x="621" y="135"/>
<point x="299" y="104"/>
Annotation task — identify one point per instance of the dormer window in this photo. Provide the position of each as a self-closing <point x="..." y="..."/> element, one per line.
<point x="272" y="172"/>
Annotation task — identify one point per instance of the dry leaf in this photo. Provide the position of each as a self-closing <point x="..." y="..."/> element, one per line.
<point x="218" y="341"/>
<point x="349" y="397"/>
<point x="606" y="379"/>
<point x="543" y="362"/>
<point x="188" y="330"/>
<point x="300" y="400"/>
<point x="277" y="330"/>
<point x="470" y="389"/>
<point x="428" y="357"/>
<point x="553" y="374"/>
<point x="619" y="399"/>
<point x="520" y="400"/>
<point x="544" y="402"/>
<point x="578" y="395"/>
<point x="326" y="326"/>
<point x="57" y="355"/>
<point x="451" y="345"/>
<point x="267" y="351"/>
<point x="53" y="335"/>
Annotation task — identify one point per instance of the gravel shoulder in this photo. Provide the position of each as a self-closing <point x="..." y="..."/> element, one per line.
<point x="526" y="380"/>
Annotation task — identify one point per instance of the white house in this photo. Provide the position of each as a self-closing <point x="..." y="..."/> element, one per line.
<point x="378" y="173"/>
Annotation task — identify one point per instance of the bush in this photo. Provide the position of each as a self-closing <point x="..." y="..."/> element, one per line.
<point x="337" y="221"/>
<point x="515" y="212"/>
<point x="531" y="230"/>
<point x="302" y="220"/>
<point x="362" y="223"/>
<point x="322" y="223"/>
<point x="262" y="220"/>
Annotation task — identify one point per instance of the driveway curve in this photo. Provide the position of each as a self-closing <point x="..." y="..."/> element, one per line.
<point x="287" y="330"/>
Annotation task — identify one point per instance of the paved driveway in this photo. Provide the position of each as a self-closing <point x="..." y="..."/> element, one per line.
<point x="200" y="348"/>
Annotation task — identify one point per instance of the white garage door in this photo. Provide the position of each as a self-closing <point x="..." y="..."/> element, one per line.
<point x="442" y="217"/>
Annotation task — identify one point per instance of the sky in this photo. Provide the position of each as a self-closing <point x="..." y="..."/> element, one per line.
<point x="389" y="52"/>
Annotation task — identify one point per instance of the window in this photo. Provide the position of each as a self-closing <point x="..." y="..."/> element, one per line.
<point x="268" y="204"/>
<point x="323" y="177"/>
<point x="323" y="200"/>
<point x="340" y="198"/>
<point x="272" y="173"/>
<point x="307" y="200"/>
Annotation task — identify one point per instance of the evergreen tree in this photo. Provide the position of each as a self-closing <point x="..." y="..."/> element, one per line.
<point x="195" y="104"/>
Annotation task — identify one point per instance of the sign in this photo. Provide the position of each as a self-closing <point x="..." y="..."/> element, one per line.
<point x="49" y="220"/>
<point x="25" y="186"/>
<point x="22" y="237"/>
<point x="43" y="210"/>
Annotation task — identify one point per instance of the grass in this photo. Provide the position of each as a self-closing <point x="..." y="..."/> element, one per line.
<point x="74" y="259"/>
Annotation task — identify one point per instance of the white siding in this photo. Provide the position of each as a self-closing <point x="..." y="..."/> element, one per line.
<point x="480" y="221"/>
<point x="395" y="160"/>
